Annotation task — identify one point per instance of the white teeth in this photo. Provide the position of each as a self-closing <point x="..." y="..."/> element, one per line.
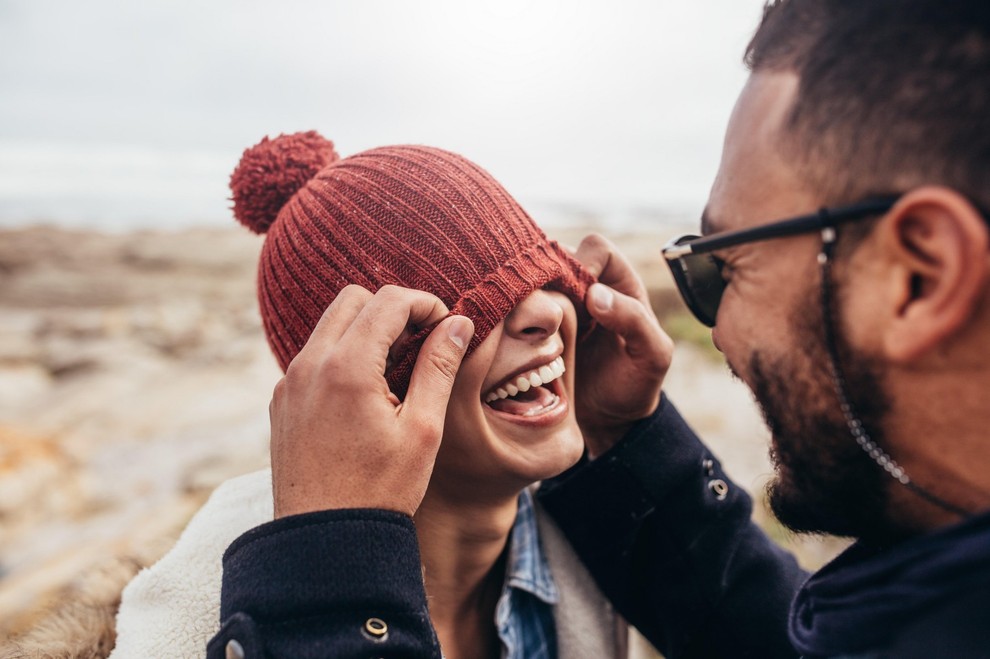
<point x="540" y="376"/>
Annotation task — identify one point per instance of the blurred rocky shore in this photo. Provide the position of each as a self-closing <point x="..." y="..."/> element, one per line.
<point x="134" y="378"/>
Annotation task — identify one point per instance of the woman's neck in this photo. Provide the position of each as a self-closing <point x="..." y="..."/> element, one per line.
<point x="463" y="545"/>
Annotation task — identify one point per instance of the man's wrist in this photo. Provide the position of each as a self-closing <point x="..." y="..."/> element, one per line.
<point x="601" y="436"/>
<point x="600" y="439"/>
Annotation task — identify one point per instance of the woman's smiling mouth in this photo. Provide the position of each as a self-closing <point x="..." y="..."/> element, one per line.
<point x="529" y="394"/>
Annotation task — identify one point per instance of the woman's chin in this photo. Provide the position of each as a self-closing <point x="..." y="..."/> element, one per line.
<point x="546" y="457"/>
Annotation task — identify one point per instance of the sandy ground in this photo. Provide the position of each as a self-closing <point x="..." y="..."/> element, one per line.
<point x="134" y="378"/>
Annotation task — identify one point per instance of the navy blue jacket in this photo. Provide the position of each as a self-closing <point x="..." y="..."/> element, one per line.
<point x="668" y="538"/>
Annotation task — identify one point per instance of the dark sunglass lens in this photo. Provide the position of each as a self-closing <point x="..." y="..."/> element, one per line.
<point x="703" y="279"/>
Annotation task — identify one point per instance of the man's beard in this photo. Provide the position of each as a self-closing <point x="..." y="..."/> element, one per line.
<point x="825" y="483"/>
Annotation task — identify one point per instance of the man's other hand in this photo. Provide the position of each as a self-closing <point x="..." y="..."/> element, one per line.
<point x="621" y="366"/>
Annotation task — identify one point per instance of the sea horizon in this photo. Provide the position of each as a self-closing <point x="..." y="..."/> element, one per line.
<point x="115" y="188"/>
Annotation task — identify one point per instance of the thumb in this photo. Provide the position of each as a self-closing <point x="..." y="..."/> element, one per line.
<point x="627" y="317"/>
<point x="436" y="366"/>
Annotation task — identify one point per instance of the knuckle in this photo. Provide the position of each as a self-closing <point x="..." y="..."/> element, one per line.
<point x="443" y="364"/>
<point x="338" y="371"/>
<point x="594" y="240"/>
<point x="594" y="252"/>
<point x="351" y="296"/>
<point x="390" y="292"/>
<point x="278" y="391"/>
<point x="332" y="364"/>
<point x="426" y="427"/>
<point x="298" y="370"/>
<point x="354" y="291"/>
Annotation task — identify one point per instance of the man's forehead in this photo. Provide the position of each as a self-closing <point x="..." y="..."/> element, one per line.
<point x="754" y="183"/>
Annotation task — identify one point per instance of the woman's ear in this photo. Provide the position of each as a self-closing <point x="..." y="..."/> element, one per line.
<point x="936" y="243"/>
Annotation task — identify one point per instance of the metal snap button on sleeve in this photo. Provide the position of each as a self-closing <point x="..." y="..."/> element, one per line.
<point x="719" y="487"/>
<point x="376" y="629"/>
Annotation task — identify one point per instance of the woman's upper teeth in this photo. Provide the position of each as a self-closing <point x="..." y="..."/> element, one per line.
<point x="524" y="381"/>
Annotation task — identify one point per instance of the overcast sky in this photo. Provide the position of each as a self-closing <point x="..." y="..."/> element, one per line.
<point x="133" y="113"/>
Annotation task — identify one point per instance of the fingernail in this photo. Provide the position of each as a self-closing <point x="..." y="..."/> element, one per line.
<point x="601" y="297"/>
<point x="460" y="331"/>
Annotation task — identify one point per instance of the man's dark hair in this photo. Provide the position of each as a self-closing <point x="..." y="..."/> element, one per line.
<point x="892" y="93"/>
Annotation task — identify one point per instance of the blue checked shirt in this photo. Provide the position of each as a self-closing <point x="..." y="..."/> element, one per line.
<point x="524" y="613"/>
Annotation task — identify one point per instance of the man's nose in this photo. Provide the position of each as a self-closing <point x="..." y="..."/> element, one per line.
<point x="537" y="317"/>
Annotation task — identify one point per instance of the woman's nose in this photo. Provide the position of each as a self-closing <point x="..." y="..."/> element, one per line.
<point x="537" y="317"/>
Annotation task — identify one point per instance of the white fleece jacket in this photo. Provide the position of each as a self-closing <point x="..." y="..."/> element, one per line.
<point x="172" y="608"/>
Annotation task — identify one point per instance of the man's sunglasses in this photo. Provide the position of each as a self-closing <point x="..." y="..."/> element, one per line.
<point x="698" y="272"/>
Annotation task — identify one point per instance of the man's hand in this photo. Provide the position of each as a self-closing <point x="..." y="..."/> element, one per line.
<point x="340" y="438"/>
<point x="622" y="364"/>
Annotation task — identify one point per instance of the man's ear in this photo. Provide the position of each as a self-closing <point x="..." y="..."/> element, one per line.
<point x="937" y="243"/>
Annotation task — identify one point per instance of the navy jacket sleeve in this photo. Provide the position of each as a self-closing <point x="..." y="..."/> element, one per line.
<point x="669" y="540"/>
<point x="336" y="583"/>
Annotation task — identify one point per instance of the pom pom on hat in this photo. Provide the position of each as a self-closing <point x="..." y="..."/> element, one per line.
<point x="271" y="171"/>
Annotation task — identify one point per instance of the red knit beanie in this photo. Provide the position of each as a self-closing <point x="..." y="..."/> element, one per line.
<point x="413" y="216"/>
